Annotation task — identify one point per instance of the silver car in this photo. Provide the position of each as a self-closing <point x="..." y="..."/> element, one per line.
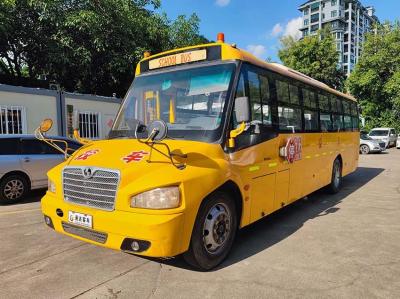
<point x="24" y="162"/>
<point x="387" y="135"/>
<point x="369" y="145"/>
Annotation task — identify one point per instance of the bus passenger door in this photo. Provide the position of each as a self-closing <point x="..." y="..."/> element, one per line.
<point x="255" y="155"/>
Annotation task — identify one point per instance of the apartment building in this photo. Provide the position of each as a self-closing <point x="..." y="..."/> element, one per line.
<point x="349" y="21"/>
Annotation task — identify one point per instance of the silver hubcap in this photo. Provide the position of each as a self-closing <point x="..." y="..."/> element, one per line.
<point x="14" y="189"/>
<point x="364" y="149"/>
<point x="336" y="174"/>
<point x="217" y="228"/>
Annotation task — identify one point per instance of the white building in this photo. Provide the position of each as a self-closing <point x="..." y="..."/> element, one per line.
<point x="22" y="109"/>
<point x="349" y="20"/>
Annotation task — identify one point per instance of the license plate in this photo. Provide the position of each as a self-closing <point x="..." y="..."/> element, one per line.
<point x="80" y="219"/>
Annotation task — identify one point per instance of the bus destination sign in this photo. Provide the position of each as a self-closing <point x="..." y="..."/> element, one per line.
<point x="176" y="59"/>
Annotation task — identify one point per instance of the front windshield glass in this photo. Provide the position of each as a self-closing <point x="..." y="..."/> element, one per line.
<point x="379" y="133"/>
<point x="365" y="137"/>
<point x="191" y="101"/>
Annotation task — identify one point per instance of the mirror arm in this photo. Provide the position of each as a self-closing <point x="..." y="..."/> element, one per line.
<point x="234" y="133"/>
<point x="39" y="135"/>
<point x="78" y="137"/>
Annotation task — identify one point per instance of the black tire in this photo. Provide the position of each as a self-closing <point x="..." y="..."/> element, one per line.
<point x="13" y="189"/>
<point x="364" y="149"/>
<point x="216" y="211"/>
<point x="336" y="179"/>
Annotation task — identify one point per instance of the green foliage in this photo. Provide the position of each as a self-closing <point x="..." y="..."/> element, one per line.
<point x="375" y="81"/>
<point x="315" y="56"/>
<point x="86" y="46"/>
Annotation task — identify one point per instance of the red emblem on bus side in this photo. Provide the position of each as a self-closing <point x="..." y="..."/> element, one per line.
<point x="293" y="149"/>
<point x="87" y="154"/>
<point x="135" y="156"/>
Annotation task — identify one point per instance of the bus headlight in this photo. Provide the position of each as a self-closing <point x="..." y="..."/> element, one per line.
<point x="160" y="198"/>
<point x="51" y="186"/>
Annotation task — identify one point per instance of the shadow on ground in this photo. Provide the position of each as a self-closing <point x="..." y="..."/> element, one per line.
<point x="281" y="224"/>
<point x="34" y="196"/>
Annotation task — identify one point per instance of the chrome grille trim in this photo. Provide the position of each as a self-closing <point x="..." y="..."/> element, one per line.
<point x="86" y="233"/>
<point x="98" y="191"/>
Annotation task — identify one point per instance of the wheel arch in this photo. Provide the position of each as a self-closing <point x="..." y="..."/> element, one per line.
<point x="339" y="157"/>
<point x="18" y="172"/>
<point x="231" y="188"/>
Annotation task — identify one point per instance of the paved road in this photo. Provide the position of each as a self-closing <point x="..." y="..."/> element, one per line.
<point x="347" y="245"/>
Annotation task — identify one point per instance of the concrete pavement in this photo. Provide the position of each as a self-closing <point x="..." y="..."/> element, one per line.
<point x="341" y="246"/>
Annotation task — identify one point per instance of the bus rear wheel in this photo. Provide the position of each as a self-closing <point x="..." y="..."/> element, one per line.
<point x="336" y="180"/>
<point x="213" y="233"/>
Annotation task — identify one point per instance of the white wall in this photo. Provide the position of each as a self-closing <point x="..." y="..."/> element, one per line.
<point x="37" y="108"/>
<point x="106" y="110"/>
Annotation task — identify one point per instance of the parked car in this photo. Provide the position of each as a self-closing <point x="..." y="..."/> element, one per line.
<point x="24" y="162"/>
<point x="369" y="145"/>
<point x="387" y="135"/>
<point x="398" y="143"/>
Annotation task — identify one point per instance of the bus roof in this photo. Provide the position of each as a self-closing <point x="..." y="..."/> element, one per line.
<point x="230" y="52"/>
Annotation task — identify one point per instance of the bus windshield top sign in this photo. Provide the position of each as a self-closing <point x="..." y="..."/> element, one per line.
<point x="177" y="59"/>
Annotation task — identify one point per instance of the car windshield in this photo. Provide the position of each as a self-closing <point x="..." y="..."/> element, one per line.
<point x="365" y="137"/>
<point x="192" y="102"/>
<point x="379" y="133"/>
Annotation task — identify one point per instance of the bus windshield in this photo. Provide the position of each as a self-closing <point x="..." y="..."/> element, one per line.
<point x="191" y="101"/>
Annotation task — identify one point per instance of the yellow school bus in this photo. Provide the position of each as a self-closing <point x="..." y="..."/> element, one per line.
<point x="208" y="139"/>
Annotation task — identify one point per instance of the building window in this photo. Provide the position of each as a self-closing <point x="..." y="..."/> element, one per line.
<point x="89" y="125"/>
<point x="334" y="13"/>
<point x="12" y="119"/>
<point x="333" y="2"/>
<point x="305" y="33"/>
<point x="305" y="12"/>
<point x="315" y="7"/>
<point x="323" y="16"/>
<point x="314" y="18"/>
<point x="305" y="22"/>
<point x="314" y="28"/>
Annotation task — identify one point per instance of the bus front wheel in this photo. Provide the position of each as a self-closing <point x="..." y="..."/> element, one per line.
<point x="336" y="180"/>
<point x="213" y="233"/>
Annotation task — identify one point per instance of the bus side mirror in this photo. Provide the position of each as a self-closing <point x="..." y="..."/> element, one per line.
<point x="242" y="109"/>
<point x="242" y="115"/>
<point x="46" y="125"/>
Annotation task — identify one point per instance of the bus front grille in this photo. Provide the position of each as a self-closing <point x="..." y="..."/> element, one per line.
<point x="89" y="186"/>
<point x="86" y="233"/>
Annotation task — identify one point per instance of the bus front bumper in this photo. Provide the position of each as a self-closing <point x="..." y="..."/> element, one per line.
<point x="155" y="235"/>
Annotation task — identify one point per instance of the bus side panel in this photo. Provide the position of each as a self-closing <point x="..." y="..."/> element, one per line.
<point x="262" y="196"/>
<point x="282" y="189"/>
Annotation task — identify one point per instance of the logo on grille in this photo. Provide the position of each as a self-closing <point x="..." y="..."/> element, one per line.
<point x="87" y="172"/>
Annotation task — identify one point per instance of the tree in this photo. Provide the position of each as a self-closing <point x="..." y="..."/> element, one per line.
<point x="315" y="56"/>
<point x="375" y="81"/>
<point x="83" y="45"/>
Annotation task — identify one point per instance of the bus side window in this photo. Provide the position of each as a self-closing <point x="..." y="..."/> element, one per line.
<point x="266" y="101"/>
<point x="311" y="121"/>
<point x="289" y="111"/>
<point x="255" y="97"/>
<point x="240" y="92"/>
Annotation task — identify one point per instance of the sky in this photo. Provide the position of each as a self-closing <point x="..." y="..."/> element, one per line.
<point x="257" y="25"/>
